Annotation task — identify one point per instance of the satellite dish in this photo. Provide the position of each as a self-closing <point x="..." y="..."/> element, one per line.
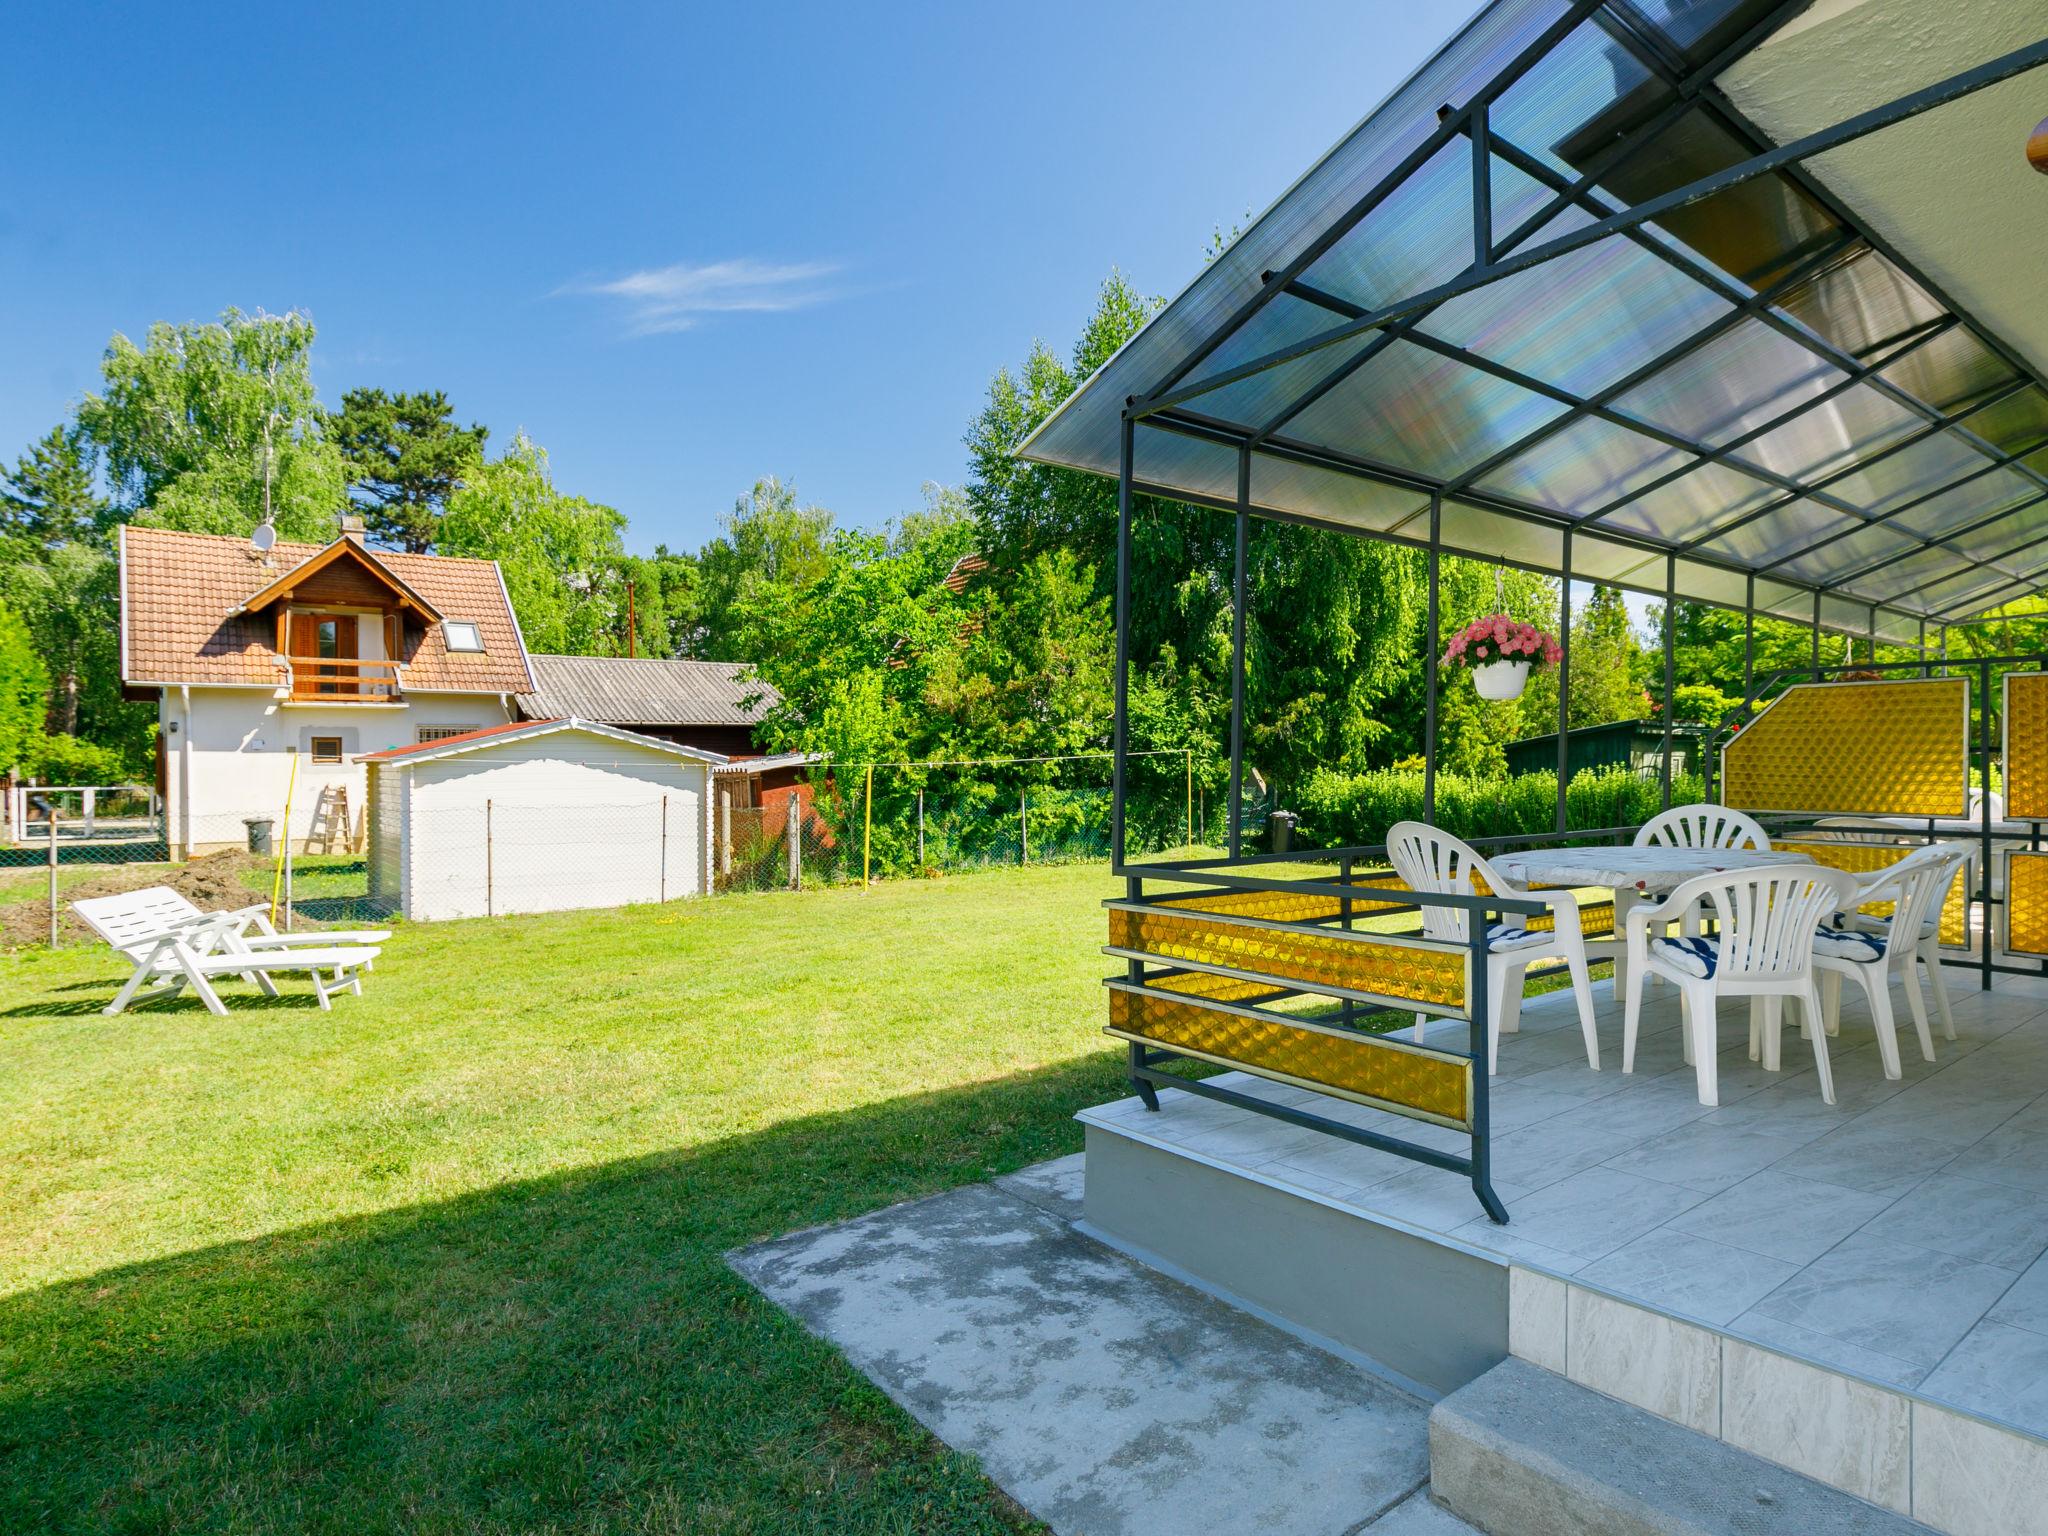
<point x="262" y="536"/>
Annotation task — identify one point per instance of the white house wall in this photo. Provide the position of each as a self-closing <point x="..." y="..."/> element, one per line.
<point x="551" y="824"/>
<point x="240" y="749"/>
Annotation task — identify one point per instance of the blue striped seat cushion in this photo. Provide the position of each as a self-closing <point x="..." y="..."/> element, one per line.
<point x="1695" y="957"/>
<point x="1500" y="936"/>
<point x="1848" y="944"/>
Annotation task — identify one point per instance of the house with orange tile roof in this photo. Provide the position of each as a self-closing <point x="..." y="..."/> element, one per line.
<point x="274" y="670"/>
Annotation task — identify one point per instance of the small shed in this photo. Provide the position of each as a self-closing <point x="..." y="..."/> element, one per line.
<point x="537" y="816"/>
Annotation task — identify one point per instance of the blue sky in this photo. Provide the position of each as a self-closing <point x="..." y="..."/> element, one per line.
<point x="680" y="245"/>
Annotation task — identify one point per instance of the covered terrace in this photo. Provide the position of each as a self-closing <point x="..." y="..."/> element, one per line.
<point x="1725" y="302"/>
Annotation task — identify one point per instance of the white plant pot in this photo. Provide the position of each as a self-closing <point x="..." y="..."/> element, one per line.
<point x="1500" y="679"/>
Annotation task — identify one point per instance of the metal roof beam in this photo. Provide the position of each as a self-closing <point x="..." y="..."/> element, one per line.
<point x="1451" y="125"/>
<point x="1851" y="129"/>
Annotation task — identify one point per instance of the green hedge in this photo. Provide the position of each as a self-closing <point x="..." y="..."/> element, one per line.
<point x="1340" y="810"/>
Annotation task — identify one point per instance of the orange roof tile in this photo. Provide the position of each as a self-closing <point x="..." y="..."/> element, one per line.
<point x="180" y="593"/>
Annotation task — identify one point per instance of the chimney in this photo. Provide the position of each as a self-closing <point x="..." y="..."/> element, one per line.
<point x="352" y="527"/>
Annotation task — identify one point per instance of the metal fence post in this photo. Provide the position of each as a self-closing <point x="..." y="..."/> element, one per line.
<point x="661" y="885"/>
<point x="53" y="870"/>
<point x="920" y="828"/>
<point x="490" y="891"/>
<point x="1023" y="829"/>
<point x="794" y="827"/>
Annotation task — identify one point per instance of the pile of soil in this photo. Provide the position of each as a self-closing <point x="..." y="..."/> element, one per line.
<point x="212" y="882"/>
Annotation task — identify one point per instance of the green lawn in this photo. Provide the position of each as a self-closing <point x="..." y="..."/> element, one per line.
<point x="448" y="1258"/>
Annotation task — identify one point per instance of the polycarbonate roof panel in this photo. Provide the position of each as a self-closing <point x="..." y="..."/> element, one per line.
<point x="1425" y="411"/>
<point x="1994" y="541"/>
<point x="1930" y="564"/>
<point x="1584" y="466"/>
<point x="1304" y="490"/>
<point x="2016" y="424"/>
<point x="1832" y="559"/>
<point x="1969" y="502"/>
<point x="1831" y="435"/>
<point x="1698" y="501"/>
<point x="1584" y="321"/>
<point x="1916" y="470"/>
<point x="1862" y="306"/>
<point x="1739" y="381"/>
<point x="1948" y="372"/>
<point x="1775" y="391"/>
<point x="1779" y="534"/>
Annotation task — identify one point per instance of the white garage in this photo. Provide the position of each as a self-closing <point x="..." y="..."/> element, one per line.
<point x="539" y="816"/>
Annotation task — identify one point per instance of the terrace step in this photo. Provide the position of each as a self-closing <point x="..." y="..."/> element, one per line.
<point x="1520" y="1451"/>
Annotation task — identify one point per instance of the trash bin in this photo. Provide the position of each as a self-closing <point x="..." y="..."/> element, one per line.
<point x="259" y="834"/>
<point x="1280" y="830"/>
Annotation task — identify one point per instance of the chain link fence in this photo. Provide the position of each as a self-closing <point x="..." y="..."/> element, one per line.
<point x="842" y="826"/>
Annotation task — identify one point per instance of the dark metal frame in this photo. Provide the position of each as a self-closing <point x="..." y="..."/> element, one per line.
<point x="1167" y="407"/>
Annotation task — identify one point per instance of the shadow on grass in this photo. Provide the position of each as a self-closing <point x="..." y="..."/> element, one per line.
<point x="567" y="1354"/>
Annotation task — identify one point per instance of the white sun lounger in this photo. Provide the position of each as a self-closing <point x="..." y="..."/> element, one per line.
<point x="165" y="937"/>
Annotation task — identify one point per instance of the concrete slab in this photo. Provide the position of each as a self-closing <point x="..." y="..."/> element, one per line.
<point x="1104" y="1397"/>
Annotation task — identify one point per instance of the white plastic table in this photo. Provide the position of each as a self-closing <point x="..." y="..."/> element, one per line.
<point x="1632" y="874"/>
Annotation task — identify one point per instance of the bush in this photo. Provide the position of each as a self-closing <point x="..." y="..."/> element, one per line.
<point x="61" y="759"/>
<point x="1355" y="810"/>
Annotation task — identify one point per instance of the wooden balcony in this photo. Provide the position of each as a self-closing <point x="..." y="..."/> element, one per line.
<point x="344" y="680"/>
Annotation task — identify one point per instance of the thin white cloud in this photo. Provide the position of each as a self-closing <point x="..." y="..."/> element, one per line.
<point x="675" y="298"/>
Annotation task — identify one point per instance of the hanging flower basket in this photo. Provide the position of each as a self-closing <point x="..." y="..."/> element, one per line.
<point x="1500" y="652"/>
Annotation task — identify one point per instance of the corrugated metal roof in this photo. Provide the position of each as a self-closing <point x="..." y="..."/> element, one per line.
<point x="646" y="690"/>
<point x="749" y="766"/>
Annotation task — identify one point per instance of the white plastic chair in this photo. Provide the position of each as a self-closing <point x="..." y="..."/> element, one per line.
<point x="1701" y="826"/>
<point x="1432" y="861"/>
<point x="1763" y="950"/>
<point x="1871" y="949"/>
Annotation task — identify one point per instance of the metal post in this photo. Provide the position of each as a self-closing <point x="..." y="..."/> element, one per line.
<point x="1429" y="666"/>
<point x="1121" y="731"/>
<point x="50" y="806"/>
<point x="1816" y="634"/>
<point x="1984" y="812"/>
<point x="793" y="829"/>
<point x="1191" y="796"/>
<point x="867" y="824"/>
<point x="490" y="882"/>
<point x="661" y="883"/>
<point x="1564" y="678"/>
<point x="1477" y="925"/>
<point x="1749" y="641"/>
<point x="920" y="826"/>
<point x="1670" y="665"/>
<point x="1240" y="580"/>
<point x="1023" y="827"/>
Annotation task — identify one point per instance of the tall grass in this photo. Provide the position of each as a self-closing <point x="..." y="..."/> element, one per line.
<point x="1351" y="810"/>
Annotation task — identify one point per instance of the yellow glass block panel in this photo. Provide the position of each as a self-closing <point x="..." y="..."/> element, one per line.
<point x="1396" y="970"/>
<point x="1293" y="906"/>
<point x="1223" y="989"/>
<point x="1378" y="1072"/>
<point x="1869" y="749"/>
<point x="1596" y="917"/>
<point x="2026" y="895"/>
<point x="1863" y="858"/>
<point x="2026" y="746"/>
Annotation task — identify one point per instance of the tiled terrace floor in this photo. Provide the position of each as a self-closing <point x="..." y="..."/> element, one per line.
<point x="1898" y="1234"/>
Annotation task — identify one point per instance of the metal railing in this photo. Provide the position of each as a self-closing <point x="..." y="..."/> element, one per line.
<point x="1263" y="989"/>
